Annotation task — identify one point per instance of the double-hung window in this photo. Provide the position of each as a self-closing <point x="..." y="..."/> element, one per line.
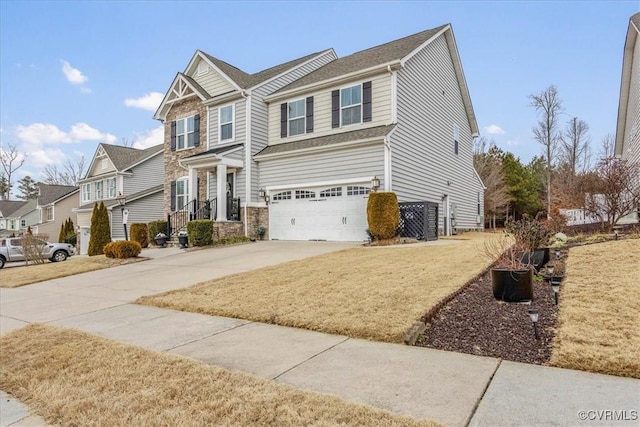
<point x="111" y="188"/>
<point x="225" y="117"/>
<point x="296" y="117"/>
<point x="86" y="193"/>
<point x="99" y="190"/>
<point x="351" y="105"/>
<point x="186" y="132"/>
<point x="49" y="213"/>
<point x="182" y="192"/>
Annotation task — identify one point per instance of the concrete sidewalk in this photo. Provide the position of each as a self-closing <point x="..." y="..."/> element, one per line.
<point x="452" y="388"/>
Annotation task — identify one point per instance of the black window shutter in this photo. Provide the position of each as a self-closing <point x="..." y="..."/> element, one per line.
<point x="196" y="136"/>
<point x="283" y="120"/>
<point x="309" y="114"/>
<point x="366" y="101"/>
<point x="335" y="109"/>
<point x="197" y="195"/>
<point x="173" y="195"/>
<point x="455" y="147"/>
<point x="173" y="136"/>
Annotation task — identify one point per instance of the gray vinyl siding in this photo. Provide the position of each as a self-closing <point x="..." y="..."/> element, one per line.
<point x="240" y="178"/>
<point x="631" y="147"/>
<point x="146" y="175"/>
<point x="143" y="210"/>
<point x="424" y="165"/>
<point x="259" y="111"/>
<point x="32" y="218"/>
<point x="326" y="166"/>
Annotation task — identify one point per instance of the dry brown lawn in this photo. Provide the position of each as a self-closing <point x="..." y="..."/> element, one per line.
<point x="13" y="277"/>
<point x="72" y="378"/>
<point x="599" y="324"/>
<point x="375" y="293"/>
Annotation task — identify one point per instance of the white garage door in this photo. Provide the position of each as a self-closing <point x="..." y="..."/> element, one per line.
<point x="336" y="213"/>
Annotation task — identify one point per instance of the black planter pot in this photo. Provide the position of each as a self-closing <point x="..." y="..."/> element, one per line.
<point x="183" y="240"/>
<point x="512" y="285"/>
<point x="161" y="241"/>
<point x="537" y="258"/>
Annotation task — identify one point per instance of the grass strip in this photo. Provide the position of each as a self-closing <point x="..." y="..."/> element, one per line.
<point x="373" y="293"/>
<point x="599" y="326"/>
<point x="73" y="378"/>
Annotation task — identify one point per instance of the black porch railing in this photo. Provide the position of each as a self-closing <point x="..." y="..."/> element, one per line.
<point x="196" y="209"/>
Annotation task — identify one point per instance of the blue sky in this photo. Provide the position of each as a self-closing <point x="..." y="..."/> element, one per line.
<point x="73" y="74"/>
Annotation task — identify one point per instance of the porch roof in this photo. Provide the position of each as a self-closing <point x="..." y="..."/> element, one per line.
<point x="216" y="150"/>
<point x="328" y="140"/>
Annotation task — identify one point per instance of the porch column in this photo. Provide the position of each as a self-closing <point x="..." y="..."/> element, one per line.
<point x="221" y="192"/>
<point x="193" y="183"/>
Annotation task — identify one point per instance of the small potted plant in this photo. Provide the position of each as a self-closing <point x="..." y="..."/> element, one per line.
<point x="511" y="275"/>
<point x="161" y="239"/>
<point x="532" y="238"/>
<point x="260" y="232"/>
<point x="183" y="239"/>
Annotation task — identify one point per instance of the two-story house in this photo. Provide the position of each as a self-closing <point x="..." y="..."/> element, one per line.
<point x="121" y="171"/>
<point x="628" y="127"/>
<point x="9" y="222"/>
<point x="301" y="152"/>
<point x="55" y="204"/>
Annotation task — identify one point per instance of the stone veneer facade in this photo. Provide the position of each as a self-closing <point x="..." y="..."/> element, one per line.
<point x="172" y="170"/>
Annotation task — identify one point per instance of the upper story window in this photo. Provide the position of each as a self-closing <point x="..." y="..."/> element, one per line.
<point x="351" y="105"/>
<point x="49" y="213"/>
<point x="99" y="193"/>
<point x="185" y="132"/>
<point x="225" y="119"/>
<point x="86" y="193"/>
<point x="23" y="223"/>
<point x="111" y="188"/>
<point x="296" y="117"/>
<point x="456" y="138"/>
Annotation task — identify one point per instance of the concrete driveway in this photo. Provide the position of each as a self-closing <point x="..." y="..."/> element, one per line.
<point x="169" y="268"/>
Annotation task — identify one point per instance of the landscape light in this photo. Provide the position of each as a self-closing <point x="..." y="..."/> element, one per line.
<point x="533" y="314"/>
<point x="555" y="285"/>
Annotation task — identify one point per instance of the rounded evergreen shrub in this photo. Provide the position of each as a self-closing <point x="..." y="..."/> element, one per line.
<point x="140" y="233"/>
<point x="122" y="249"/>
<point x="200" y="232"/>
<point x="100" y="230"/>
<point x="383" y="215"/>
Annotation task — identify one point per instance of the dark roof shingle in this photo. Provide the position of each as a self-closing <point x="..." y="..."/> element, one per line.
<point x="322" y="141"/>
<point x="378" y="55"/>
<point x="49" y="193"/>
<point x="8" y="207"/>
<point x="124" y="157"/>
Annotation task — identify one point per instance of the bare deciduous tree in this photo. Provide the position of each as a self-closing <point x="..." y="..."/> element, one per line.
<point x="549" y="107"/>
<point x="127" y="142"/>
<point x="11" y="160"/>
<point x="488" y="164"/>
<point x="615" y="191"/>
<point x="574" y="146"/>
<point x="70" y="175"/>
<point x="607" y="147"/>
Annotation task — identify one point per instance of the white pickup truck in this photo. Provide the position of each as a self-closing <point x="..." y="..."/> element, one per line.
<point x="11" y="250"/>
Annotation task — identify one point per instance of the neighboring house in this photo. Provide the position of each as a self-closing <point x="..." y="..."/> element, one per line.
<point x="55" y="204"/>
<point x="628" y="129"/>
<point x="9" y="223"/>
<point x="116" y="170"/>
<point x="313" y="139"/>
<point x="27" y="216"/>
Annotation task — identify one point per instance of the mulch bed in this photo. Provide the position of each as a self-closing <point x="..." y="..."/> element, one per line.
<point x="475" y="322"/>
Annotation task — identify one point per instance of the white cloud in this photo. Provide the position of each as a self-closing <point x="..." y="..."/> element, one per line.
<point x="39" y="134"/>
<point x="73" y="75"/>
<point x="494" y="130"/>
<point x="513" y="142"/>
<point x="150" y="138"/>
<point x="84" y="132"/>
<point x="46" y="156"/>
<point x="151" y="101"/>
<point x="85" y="89"/>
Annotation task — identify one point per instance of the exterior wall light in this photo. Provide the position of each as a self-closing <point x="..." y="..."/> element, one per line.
<point x="375" y="184"/>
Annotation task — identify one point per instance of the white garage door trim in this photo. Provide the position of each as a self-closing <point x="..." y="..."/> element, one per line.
<point x="333" y="211"/>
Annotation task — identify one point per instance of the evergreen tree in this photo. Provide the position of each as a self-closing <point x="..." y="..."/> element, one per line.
<point x="61" y="236"/>
<point x="100" y="229"/>
<point x="28" y="188"/>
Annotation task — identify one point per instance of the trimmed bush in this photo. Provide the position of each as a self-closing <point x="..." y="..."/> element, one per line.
<point x="122" y="249"/>
<point x="200" y="232"/>
<point x="156" y="227"/>
<point x="383" y="215"/>
<point x="140" y="233"/>
<point x="100" y="230"/>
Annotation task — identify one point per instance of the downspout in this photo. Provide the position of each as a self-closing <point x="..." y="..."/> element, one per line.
<point x="247" y="159"/>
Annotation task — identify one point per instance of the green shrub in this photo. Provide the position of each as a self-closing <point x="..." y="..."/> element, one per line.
<point x="233" y="240"/>
<point x="200" y="232"/>
<point x="140" y="233"/>
<point x="67" y="232"/>
<point x="122" y="249"/>
<point x="156" y="227"/>
<point x="100" y="230"/>
<point x="383" y="215"/>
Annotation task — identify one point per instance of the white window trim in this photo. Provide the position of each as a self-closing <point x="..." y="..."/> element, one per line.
<point x="352" y="105"/>
<point x="115" y="188"/>
<point x="303" y="117"/>
<point x="186" y="132"/>
<point x="23" y="223"/>
<point x="233" y="123"/>
<point x="186" y="194"/>
<point x="50" y="209"/>
<point x="101" y="195"/>
<point x="83" y="193"/>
